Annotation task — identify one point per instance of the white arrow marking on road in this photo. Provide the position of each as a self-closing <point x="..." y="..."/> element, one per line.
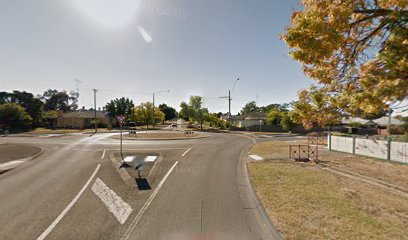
<point x="120" y="209"/>
<point x="62" y="214"/>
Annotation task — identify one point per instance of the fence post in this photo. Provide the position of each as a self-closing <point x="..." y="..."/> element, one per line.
<point x="299" y="152"/>
<point x="354" y="144"/>
<point x="389" y="149"/>
<point x="330" y="140"/>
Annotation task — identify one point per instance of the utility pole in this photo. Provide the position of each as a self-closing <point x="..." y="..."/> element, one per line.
<point x="389" y="133"/>
<point x="229" y="104"/>
<point x="229" y="110"/>
<point x="94" y="90"/>
<point x="154" y="99"/>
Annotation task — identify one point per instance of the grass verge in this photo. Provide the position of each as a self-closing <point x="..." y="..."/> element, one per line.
<point x="307" y="202"/>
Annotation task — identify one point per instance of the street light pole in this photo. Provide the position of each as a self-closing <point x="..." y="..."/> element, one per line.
<point x="154" y="99"/>
<point x="94" y="90"/>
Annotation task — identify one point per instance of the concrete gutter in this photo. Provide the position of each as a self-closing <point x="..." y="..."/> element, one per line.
<point x="255" y="211"/>
<point x="4" y="167"/>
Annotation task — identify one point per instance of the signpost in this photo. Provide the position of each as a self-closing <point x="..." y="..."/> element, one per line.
<point x="121" y="119"/>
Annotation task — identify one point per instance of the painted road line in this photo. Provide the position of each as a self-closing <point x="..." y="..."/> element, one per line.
<point x="10" y="165"/>
<point x="186" y="152"/>
<point x="120" y="209"/>
<point x="146" y="205"/>
<point x="103" y="154"/>
<point x="65" y="211"/>
<point x="256" y="157"/>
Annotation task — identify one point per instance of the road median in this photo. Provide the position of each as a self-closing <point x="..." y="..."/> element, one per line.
<point x="12" y="155"/>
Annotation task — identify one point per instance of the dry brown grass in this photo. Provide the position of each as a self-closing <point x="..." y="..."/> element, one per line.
<point x="307" y="202"/>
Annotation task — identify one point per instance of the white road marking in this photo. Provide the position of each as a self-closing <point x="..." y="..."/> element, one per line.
<point x="120" y="209"/>
<point x="103" y="154"/>
<point x="11" y="163"/>
<point x="150" y="158"/>
<point x="256" y="157"/>
<point x="65" y="211"/>
<point x="146" y="205"/>
<point x="186" y="152"/>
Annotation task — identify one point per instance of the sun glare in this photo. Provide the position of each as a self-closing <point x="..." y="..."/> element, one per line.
<point x="109" y="13"/>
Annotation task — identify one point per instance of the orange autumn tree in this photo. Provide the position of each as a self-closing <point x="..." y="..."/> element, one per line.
<point x="356" y="50"/>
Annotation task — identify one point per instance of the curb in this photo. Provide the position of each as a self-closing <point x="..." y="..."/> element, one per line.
<point x="123" y="173"/>
<point x="15" y="163"/>
<point x="162" y="139"/>
<point x="267" y="225"/>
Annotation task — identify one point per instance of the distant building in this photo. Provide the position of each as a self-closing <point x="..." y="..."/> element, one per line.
<point x="377" y="126"/>
<point x="380" y="122"/>
<point x="80" y="119"/>
<point x="249" y="120"/>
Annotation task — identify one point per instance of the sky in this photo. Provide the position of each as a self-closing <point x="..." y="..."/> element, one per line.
<point x="132" y="48"/>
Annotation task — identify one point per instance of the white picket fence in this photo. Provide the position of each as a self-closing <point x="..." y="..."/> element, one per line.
<point x="394" y="151"/>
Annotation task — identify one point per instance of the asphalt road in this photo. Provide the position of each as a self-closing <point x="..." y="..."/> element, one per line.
<point x="198" y="190"/>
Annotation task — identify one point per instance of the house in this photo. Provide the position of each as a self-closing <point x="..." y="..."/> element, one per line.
<point x="80" y="119"/>
<point x="380" y="122"/>
<point x="377" y="126"/>
<point x="249" y="120"/>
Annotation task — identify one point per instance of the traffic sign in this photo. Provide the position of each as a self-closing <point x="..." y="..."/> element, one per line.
<point x="121" y="119"/>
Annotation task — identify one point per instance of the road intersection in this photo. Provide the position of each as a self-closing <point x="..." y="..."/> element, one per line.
<point x="73" y="191"/>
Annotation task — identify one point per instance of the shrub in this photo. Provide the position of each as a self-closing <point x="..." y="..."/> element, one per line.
<point x="14" y="117"/>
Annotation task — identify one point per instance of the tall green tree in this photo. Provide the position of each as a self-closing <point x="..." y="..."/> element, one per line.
<point x="356" y="50"/>
<point x="186" y="111"/>
<point x="194" y="111"/>
<point x="169" y="112"/>
<point x="60" y="101"/>
<point x="32" y="105"/>
<point x="274" y="116"/>
<point x="14" y="117"/>
<point x="269" y="107"/>
<point x="147" y="115"/>
<point x="249" y="108"/>
<point x="119" y="106"/>
<point x="287" y="122"/>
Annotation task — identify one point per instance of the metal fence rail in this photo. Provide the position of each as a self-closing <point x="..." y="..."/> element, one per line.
<point x="304" y="152"/>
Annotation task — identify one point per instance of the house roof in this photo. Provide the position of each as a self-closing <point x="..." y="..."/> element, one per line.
<point x="383" y="121"/>
<point x="83" y="114"/>
<point x="255" y="116"/>
<point x="237" y="117"/>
